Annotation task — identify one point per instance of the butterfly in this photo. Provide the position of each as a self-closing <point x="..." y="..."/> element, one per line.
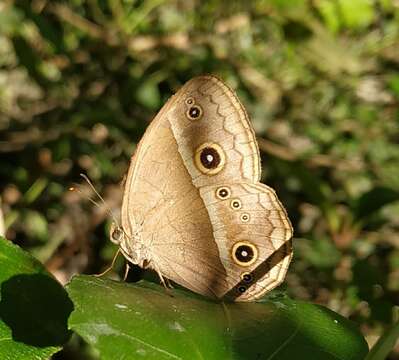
<point x="193" y="208"/>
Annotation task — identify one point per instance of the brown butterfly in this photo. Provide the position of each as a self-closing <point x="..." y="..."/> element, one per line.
<point x="193" y="208"/>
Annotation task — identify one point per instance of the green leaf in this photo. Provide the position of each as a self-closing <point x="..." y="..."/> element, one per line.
<point x="290" y="4"/>
<point x="393" y="83"/>
<point x="29" y="59"/>
<point x="320" y="253"/>
<point x="36" y="224"/>
<point x="329" y="12"/>
<point x="127" y="320"/>
<point x="10" y="20"/>
<point x="357" y="13"/>
<point x="34" y="307"/>
<point x="148" y="94"/>
<point x="385" y="344"/>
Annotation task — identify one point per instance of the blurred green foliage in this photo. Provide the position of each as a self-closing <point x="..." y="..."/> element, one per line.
<point x="80" y="81"/>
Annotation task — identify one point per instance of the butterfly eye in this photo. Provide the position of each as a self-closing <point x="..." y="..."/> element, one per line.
<point x="236" y="204"/>
<point x="244" y="253"/>
<point x="223" y="193"/>
<point x="209" y="158"/>
<point x="117" y="235"/>
<point x="194" y="112"/>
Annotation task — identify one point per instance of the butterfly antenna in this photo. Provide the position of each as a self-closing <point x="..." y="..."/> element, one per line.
<point x="75" y="187"/>
<point x="109" y="211"/>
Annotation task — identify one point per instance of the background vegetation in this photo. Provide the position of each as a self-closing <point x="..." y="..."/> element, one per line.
<point x="81" y="80"/>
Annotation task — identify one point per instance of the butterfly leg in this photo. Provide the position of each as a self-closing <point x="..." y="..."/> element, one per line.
<point x="107" y="270"/>
<point x="127" y="268"/>
<point x="164" y="281"/>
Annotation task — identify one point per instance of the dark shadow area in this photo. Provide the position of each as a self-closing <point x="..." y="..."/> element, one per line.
<point x="36" y="308"/>
<point x="75" y="349"/>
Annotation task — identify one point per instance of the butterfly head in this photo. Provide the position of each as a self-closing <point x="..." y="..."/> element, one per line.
<point x="131" y="246"/>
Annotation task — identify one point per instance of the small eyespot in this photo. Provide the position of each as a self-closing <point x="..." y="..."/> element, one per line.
<point x="189" y="101"/>
<point x="246" y="277"/>
<point x="242" y="289"/>
<point x="244" y="253"/>
<point x="223" y="193"/>
<point x="209" y="158"/>
<point x="194" y="112"/>
<point x="235" y="204"/>
<point x="244" y="217"/>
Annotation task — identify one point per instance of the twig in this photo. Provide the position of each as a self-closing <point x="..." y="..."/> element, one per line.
<point x="94" y="30"/>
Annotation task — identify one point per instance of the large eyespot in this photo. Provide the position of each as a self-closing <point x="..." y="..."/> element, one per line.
<point x="223" y="193"/>
<point x="194" y="112"/>
<point x="246" y="277"/>
<point x="209" y="158"/>
<point x="244" y="217"/>
<point x="235" y="204"/>
<point x="244" y="253"/>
